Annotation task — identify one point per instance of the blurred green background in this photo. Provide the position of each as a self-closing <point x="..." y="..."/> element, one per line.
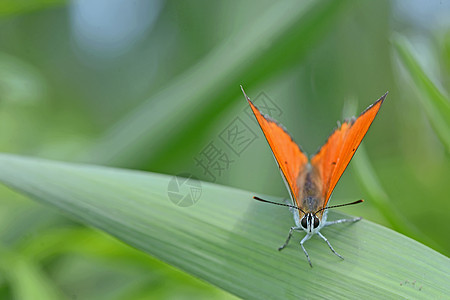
<point x="150" y="85"/>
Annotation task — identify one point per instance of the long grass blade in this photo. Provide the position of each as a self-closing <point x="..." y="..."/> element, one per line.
<point x="228" y="239"/>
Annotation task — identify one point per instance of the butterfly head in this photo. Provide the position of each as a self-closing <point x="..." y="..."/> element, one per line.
<point x="310" y="222"/>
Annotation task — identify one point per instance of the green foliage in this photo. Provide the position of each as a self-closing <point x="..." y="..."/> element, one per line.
<point x="435" y="104"/>
<point x="243" y="58"/>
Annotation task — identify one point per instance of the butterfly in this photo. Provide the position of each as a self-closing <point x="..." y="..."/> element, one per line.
<point x="310" y="182"/>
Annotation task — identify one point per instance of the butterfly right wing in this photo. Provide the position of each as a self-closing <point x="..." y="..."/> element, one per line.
<point x="291" y="160"/>
<point x="333" y="157"/>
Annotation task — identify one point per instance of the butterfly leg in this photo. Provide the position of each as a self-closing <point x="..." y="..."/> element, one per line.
<point x="307" y="237"/>
<point x="329" y="245"/>
<point x="342" y="221"/>
<point x="288" y="238"/>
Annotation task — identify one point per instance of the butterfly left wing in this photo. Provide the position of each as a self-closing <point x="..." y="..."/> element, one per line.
<point x="333" y="157"/>
<point x="291" y="160"/>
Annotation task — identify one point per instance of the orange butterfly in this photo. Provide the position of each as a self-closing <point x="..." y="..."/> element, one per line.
<point x="311" y="182"/>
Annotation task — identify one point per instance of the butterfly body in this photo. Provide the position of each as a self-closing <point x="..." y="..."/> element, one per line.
<point x="310" y="182"/>
<point x="310" y="191"/>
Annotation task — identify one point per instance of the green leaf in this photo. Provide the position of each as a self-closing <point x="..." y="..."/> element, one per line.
<point x="231" y="241"/>
<point x="434" y="102"/>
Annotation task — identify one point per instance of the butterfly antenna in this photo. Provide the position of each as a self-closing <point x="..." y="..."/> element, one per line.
<point x="276" y="203"/>
<point x="334" y="206"/>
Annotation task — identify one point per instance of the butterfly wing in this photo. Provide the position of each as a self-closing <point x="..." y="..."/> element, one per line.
<point x="291" y="160"/>
<point x="333" y="157"/>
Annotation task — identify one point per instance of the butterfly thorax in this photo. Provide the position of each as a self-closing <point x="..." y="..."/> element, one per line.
<point x="310" y="197"/>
